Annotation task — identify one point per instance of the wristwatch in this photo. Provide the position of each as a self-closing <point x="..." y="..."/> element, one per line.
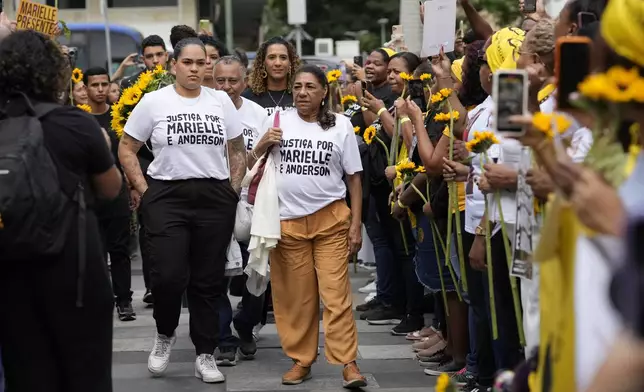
<point x="479" y="231"/>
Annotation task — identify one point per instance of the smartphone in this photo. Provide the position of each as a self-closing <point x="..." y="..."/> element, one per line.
<point x="397" y="29"/>
<point x="529" y="6"/>
<point x="510" y="92"/>
<point x="585" y="18"/>
<point x="204" y="24"/>
<point x="358" y="61"/>
<point x="367" y="86"/>
<point x="572" y="65"/>
<point x="416" y="90"/>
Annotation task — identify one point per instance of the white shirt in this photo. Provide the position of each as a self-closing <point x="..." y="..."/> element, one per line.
<point x="252" y="117"/>
<point x="189" y="135"/>
<point x="581" y="138"/>
<point x="479" y="119"/>
<point x="312" y="163"/>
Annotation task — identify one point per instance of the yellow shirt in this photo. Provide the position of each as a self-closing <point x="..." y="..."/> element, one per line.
<point x="460" y="186"/>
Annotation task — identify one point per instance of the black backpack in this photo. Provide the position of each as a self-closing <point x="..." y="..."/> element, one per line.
<point x="35" y="211"/>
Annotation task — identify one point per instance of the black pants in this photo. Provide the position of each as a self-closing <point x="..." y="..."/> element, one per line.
<point x="408" y="292"/>
<point x="145" y="251"/>
<point x="254" y="309"/>
<point x="48" y="344"/>
<point x="189" y="224"/>
<point x="476" y="294"/>
<point x="114" y="222"/>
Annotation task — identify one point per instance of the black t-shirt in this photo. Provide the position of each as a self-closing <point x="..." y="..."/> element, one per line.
<point x="354" y="112"/>
<point x="129" y="81"/>
<point x="270" y="100"/>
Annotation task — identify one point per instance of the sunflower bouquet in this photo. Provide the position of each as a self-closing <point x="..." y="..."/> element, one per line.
<point x="85" y="108"/>
<point x="148" y="81"/>
<point x="348" y="100"/>
<point x="333" y="78"/>
<point x="604" y="96"/>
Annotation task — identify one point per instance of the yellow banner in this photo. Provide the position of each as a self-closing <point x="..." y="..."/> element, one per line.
<point x="38" y="17"/>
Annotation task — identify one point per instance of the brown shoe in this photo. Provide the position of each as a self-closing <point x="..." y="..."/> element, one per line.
<point x="296" y="375"/>
<point x="352" y="377"/>
<point x="426" y="343"/>
<point x="430" y="352"/>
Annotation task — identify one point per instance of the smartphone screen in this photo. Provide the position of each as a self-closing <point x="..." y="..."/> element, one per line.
<point x="510" y="100"/>
<point x="417" y="93"/>
<point x="529" y="6"/>
<point x="358" y="61"/>
<point x="573" y="66"/>
<point x="367" y="86"/>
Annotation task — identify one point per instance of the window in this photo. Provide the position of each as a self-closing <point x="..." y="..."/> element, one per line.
<point x="68" y="4"/>
<point x="141" y="3"/>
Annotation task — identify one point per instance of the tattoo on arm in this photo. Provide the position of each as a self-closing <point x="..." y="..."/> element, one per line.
<point x="128" y="147"/>
<point x="237" y="160"/>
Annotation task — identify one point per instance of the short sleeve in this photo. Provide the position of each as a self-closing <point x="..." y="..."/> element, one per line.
<point x="234" y="127"/>
<point x="266" y="125"/>
<point x="351" y="161"/>
<point x="140" y="124"/>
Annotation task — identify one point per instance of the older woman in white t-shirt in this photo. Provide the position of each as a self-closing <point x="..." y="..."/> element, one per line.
<point x="189" y="201"/>
<point x="315" y="149"/>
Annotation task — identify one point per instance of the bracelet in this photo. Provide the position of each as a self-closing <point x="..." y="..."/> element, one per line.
<point x="401" y="205"/>
<point x="405" y="119"/>
<point x="381" y="111"/>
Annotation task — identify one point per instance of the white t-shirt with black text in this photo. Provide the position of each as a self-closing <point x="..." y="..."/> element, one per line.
<point x="312" y="163"/>
<point x="188" y="135"/>
<point x="252" y="117"/>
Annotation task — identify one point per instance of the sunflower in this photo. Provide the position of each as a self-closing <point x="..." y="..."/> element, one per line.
<point x="144" y="80"/>
<point x="445" y="92"/>
<point x="437" y="98"/>
<point x="158" y="70"/>
<point x="405" y="168"/>
<point x="420" y="169"/>
<point x="132" y="95"/>
<point x="482" y="142"/>
<point x="369" y="134"/>
<point x="85" y="108"/>
<point x="616" y="85"/>
<point x="77" y="75"/>
<point x="405" y="76"/>
<point x="543" y="122"/>
<point x="333" y="76"/>
<point x="447" y="116"/>
<point x="425" y="77"/>
<point x="356" y="130"/>
<point x="442" y="383"/>
<point x="349" y="99"/>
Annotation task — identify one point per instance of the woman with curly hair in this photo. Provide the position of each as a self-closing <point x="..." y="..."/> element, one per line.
<point x="271" y="78"/>
<point x="57" y="336"/>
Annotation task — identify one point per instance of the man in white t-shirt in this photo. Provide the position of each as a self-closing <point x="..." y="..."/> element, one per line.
<point x="230" y="77"/>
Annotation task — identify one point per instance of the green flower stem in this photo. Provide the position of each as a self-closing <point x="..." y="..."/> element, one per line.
<point x="355" y="263"/>
<point x="382" y="144"/>
<point x="450" y="202"/>
<point x="402" y="232"/>
<point x="513" y="280"/>
<point x="393" y="156"/>
<point x="435" y="235"/>
<point x="419" y="193"/>
<point x="459" y="241"/>
<point x="448" y="264"/>
<point x="488" y="257"/>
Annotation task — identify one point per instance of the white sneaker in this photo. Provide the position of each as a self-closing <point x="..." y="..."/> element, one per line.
<point x="206" y="369"/>
<point x="370" y="288"/>
<point x="256" y="330"/>
<point x="160" y="355"/>
<point x="370" y="297"/>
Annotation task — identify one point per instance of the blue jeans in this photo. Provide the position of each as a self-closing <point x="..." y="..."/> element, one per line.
<point x="427" y="268"/>
<point x="386" y="287"/>
<point x="225" y="309"/>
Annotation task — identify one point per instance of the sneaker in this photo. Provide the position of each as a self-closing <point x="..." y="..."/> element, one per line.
<point x="424" y="355"/>
<point x="463" y="378"/>
<point x="439" y="358"/>
<point x="376" y="309"/>
<point x="448" y="367"/>
<point x="206" y="369"/>
<point x="421" y="334"/>
<point x="368" y="265"/>
<point x="256" y="330"/>
<point x="125" y="311"/>
<point x="351" y="377"/>
<point x="297" y="374"/>
<point x="148" y="298"/>
<point x="385" y="315"/>
<point x="247" y="346"/>
<point x="160" y="355"/>
<point x="368" y="304"/>
<point x="370" y="297"/>
<point x="227" y="356"/>
<point x="407" y="325"/>
<point x="427" y="343"/>
<point x="369" y="288"/>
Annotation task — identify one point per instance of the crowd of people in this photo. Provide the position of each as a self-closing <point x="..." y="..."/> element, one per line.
<point x="522" y="249"/>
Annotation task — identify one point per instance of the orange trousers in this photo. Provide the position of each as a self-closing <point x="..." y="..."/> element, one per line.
<point x="311" y="262"/>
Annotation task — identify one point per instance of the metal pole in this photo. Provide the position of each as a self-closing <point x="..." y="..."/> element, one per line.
<point x="228" y="9"/>
<point x="383" y="33"/>
<point x="298" y="39"/>
<point x="108" y="38"/>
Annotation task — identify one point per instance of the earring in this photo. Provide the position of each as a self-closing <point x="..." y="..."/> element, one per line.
<point x="264" y="74"/>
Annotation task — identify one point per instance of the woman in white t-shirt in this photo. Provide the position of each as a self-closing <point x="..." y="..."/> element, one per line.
<point x="315" y="149"/>
<point x="189" y="202"/>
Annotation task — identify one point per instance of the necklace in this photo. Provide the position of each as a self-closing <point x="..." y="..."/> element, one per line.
<point x="273" y="99"/>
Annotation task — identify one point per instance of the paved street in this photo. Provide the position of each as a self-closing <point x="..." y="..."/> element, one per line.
<point x="386" y="360"/>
